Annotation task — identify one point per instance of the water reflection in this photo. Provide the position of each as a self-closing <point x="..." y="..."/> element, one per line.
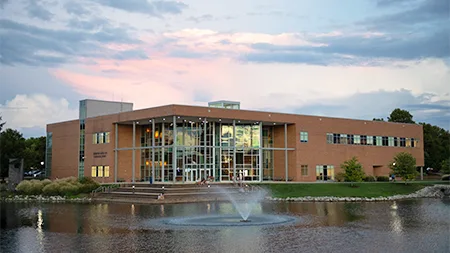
<point x="385" y="227"/>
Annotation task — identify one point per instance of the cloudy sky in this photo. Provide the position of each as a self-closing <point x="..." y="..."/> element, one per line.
<point x="347" y="58"/>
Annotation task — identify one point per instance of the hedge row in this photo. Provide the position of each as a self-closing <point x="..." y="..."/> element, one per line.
<point x="60" y="187"/>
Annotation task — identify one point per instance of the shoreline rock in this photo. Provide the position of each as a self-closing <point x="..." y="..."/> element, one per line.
<point x="435" y="191"/>
<point x="44" y="199"/>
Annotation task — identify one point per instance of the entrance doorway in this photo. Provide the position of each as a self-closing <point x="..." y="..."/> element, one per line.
<point x="190" y="175"/>
<point x="205" y="173"/>
<point x="324" y="172"/>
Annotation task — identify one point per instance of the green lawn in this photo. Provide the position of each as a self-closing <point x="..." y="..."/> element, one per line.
<point x="343" y="189"/>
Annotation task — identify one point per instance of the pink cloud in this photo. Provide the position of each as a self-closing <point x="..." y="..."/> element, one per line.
<point x="164" y="79"/>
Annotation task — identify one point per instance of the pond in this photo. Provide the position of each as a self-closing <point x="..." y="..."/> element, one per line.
<point x="403" y="226"/>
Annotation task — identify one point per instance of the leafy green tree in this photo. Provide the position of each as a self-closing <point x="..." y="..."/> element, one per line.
<point x="445" y="166"/>
<point x="34" y="152"/>
<point x="378" y="119"/>
<point x="353" y="171"/>
<point x="404" y="166"/>
<point x="401" y="116"/>
<point x="436" y="145"/>
<point x="12" y="145"/>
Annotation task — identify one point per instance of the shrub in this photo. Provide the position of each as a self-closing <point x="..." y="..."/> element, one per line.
<point x="382" y="179"/>
<point x="369" y="179"/>
<point x="64" y="186"/>
<point x="24" y="186"/>
<point x="353" y="171"/>
<point x="36" y="187"/>
<point x="51" y="189"/>
<point x="46" y="182"/>
<point x="340" y="177"/>
<point x="404" y="166"/>
<point x="69" y="189"/>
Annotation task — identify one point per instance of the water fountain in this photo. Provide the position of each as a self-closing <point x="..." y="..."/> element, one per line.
<point x="244" y="200"/>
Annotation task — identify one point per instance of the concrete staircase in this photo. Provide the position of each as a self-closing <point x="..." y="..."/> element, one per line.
<point x="173" y="193"/>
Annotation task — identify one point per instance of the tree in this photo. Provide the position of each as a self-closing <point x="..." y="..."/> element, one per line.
<point x="34" y="152"/>
<point x="404" y="166"/>
<point x="12" y="145"/>
<point x="378" y="119"/>
<point x="445" y="166"/>
<point x="401" y="116"/>
<point x="353" y="171"/>
<point x="436" y="145"/>
<point x="1" y="123"/>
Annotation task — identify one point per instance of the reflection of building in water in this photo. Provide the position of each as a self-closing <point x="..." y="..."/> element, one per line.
<point x="111" y="142"/>
<point x="327" y="213"/>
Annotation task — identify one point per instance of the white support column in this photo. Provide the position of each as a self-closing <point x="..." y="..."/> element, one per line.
<point x="134" y="152"/>
<point x="162" y="151"/>
<point x="260" y="153"/>
<point x="234" y="149"/>
<point x="220" y="155"/>
<point x="184" y="153"/>
<point x="116" y="141"/>
<point x="214" y="150"/>
<point x="174" y="150"/>
<point x="153" y="150"/>
<point x="285" y="152"/>
<point x="204" y="147"/>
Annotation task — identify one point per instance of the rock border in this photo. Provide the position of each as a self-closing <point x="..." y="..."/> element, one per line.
<point x="435" y="191"/>
<point x="44" y="199"/>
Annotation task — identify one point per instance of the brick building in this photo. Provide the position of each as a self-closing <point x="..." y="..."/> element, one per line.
<point x="111" y="142"/>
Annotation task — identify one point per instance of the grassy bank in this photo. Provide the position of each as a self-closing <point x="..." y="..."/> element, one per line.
<point x="377" y="189"/>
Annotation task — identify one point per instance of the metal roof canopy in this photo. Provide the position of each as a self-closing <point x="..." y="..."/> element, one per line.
<point x="188" y="119"/>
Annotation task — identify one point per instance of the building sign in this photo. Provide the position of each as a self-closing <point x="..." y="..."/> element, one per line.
<point x="100" y="154"/>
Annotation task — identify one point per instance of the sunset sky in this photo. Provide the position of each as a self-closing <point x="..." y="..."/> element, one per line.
<point x="344" y="58"/>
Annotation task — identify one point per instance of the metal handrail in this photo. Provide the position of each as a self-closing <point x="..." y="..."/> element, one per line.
<point x="105" y="188"/>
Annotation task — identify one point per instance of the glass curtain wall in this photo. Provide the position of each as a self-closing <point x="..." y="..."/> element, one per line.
<point x="267" y="154"/>
<point x="205" y="150"/>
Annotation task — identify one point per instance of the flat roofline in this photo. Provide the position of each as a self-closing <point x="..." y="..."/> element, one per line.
<point x="291" y="114"/>
<point x="108" y="101"/>
<point x="224" y="101"/>
<point x="249" y="110"/>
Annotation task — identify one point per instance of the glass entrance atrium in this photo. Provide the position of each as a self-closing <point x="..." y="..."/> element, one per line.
<point x="183" y="150"/>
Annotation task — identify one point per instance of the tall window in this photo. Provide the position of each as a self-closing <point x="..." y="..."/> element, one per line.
<point x="100" y="171"/>
<point x="363" y="140"/>
<point x="343" y="139"/>
<point x="336" y="138"/>
<point x="99" y="138"/>
<point x="379" y="140"/>
<point x="402" y="142"/>
<point x="330" y="138"/>
<point x="304" y="170"/>
<point x="357" y="140"/>
<point x="391" y="141"/>
<point x="303" y="136"/>
<point x="370" y="140"/>
<point x="408" y="142"/>
<point x="385" y="141"/>
<point x="350" y="139"/>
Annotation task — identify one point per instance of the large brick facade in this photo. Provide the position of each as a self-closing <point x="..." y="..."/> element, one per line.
<point x="316" y="151"/>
